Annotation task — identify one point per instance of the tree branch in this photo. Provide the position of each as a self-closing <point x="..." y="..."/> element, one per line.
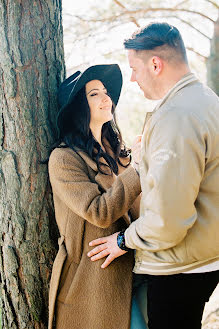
<point x="148" y="10"/>
<point x="213" y="3"/>
<point x="197" y="53"/>
<point x="181" y="3"/>
<point x="132" y="19"/>
<point x="120" y="4"/>
<point x="116" y="24"/>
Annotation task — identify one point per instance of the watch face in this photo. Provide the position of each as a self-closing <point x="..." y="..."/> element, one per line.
<point x="121" y="241"/>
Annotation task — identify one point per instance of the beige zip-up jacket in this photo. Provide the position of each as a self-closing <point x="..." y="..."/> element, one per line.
<point x="178" y="227"/>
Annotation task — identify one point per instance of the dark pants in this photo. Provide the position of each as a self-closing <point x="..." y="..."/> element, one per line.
<point x="177" y="301"/>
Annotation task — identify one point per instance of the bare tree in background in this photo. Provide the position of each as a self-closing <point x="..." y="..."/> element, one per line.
<point x="121" y="12"/>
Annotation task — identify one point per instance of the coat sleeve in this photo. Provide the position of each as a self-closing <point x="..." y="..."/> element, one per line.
<point x="172" y="170"/>
<point x="71" y="183"/>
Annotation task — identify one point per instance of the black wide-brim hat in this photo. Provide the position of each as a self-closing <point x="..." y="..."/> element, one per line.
<point x="109" y="74"/>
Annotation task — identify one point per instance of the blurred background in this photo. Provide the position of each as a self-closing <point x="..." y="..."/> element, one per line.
<point x="94" y="32"/>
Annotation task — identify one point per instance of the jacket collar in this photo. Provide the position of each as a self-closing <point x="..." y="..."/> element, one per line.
<point x="185" y="81"/>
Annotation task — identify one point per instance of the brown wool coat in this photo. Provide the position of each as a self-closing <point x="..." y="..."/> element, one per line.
<point x="89" y="205"/>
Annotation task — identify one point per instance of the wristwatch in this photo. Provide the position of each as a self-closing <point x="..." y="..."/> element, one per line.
<point x="121" y="241"/>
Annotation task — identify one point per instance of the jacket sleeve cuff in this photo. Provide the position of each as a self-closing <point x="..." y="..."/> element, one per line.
<point x="128" y="236"/>
<point x="132" y="239"/>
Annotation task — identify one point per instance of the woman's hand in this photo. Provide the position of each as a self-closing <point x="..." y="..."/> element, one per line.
<point x="136" y="149"/>
<point x="107" y="246"/>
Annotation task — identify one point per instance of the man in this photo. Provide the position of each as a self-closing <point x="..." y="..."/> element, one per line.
<point x="176" y="235"/>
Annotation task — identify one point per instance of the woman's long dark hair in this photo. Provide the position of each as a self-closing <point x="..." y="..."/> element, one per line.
<point x="76" y="134"/>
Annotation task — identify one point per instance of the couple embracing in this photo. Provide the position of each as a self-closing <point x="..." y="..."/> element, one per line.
<point x="156" y="216"/>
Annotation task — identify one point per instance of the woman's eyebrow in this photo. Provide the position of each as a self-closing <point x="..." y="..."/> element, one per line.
<point x="91" y="91"/>
<point x="94" y="89"/>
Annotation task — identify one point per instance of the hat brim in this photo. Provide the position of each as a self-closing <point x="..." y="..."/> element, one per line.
<point x="109" y="74"/>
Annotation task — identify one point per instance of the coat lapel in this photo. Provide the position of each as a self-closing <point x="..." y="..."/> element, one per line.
<point x="105" y="181"/>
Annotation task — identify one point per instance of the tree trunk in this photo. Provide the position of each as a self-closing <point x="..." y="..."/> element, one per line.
<point x="31" y="68"/>
<point x="213" y="60"/>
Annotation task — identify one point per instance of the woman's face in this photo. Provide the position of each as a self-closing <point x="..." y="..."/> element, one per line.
<point x="99" y="102"/>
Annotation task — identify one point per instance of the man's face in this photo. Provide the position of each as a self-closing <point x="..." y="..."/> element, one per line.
<point x="142" y="74"/>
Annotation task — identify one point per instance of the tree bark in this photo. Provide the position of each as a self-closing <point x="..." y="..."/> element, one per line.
<point x="213" y="60"/>
<point x="31" y="68"/>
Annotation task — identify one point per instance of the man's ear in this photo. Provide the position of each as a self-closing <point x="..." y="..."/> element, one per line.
<point x="156" y="65"/>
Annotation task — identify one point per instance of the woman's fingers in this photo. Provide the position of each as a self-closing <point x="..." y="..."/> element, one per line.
<point x="137" y="139"/>
<point x="136" y="149"/>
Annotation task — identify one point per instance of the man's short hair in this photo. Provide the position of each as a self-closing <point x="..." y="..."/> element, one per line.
<point x="162" y="39"/>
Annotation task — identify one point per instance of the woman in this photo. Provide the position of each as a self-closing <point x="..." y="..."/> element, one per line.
<point x="94" y="187"/>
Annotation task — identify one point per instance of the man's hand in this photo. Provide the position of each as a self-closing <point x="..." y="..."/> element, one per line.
<point x="106" y="246"/>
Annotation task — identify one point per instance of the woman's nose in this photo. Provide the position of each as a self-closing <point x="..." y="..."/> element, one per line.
<point x="106" y="98"/>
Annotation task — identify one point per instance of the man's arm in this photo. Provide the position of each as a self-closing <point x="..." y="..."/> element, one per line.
<point x="175" y="165"/>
